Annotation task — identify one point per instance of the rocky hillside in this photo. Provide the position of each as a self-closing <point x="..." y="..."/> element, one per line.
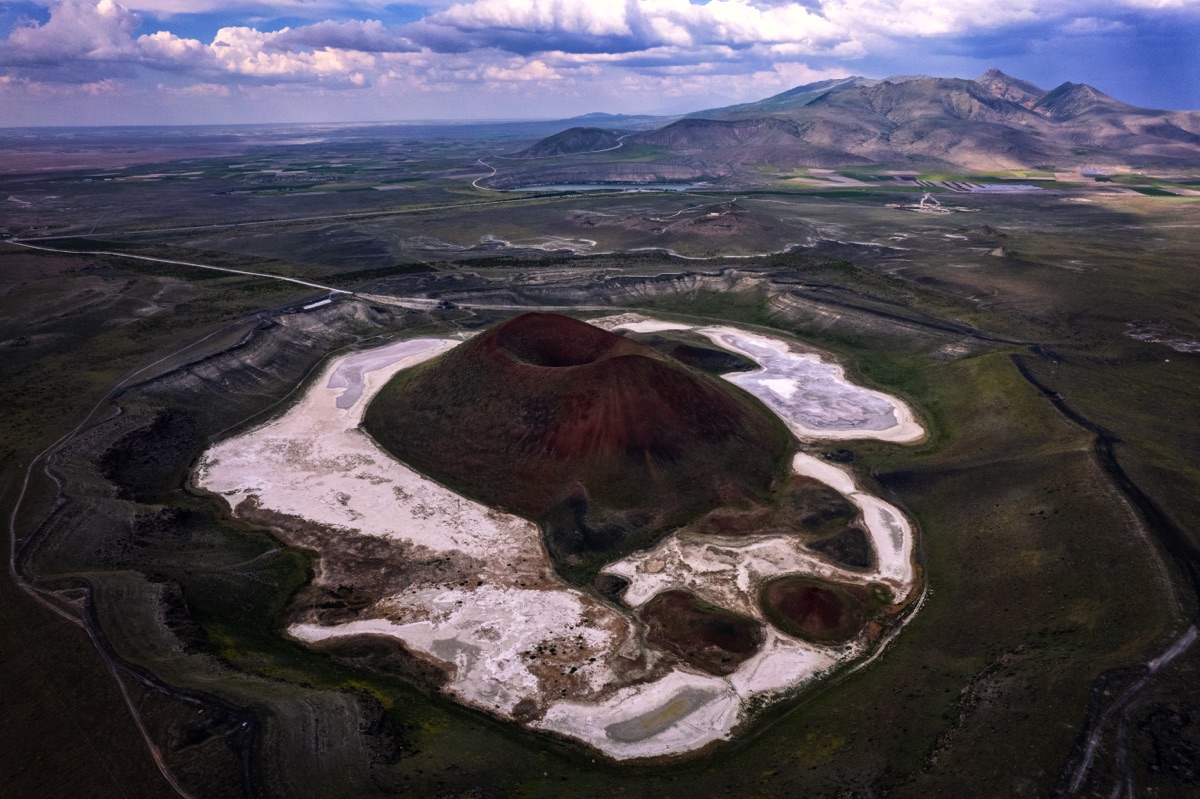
<point x="574" y="140"/>
<point x="785" y="101"/>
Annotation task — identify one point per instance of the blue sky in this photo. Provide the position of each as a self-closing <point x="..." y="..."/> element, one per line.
<point x="212" y="61"/>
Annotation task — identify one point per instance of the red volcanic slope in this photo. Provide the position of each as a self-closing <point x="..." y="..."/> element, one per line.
<point x="579" y="428"/>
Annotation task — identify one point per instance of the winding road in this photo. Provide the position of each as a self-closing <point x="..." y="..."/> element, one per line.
<point x="297" y="281"/>
<point x="475" y="183"/>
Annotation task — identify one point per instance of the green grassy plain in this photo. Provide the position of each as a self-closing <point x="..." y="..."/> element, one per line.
<point x="1041" y="577"/>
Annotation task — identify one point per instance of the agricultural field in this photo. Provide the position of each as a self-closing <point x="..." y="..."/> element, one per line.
<point x="1034" y="355"/>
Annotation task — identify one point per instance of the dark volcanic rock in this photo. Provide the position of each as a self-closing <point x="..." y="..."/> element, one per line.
<point x="696" y="355"/>
<point x="601" y="439"/>
<point x="611" y="587"/>
<point x="850" y="547"/>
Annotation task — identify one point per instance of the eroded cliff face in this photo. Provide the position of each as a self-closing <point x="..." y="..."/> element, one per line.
<point x="276" y="350"/>
<point x="141" y="554"/>
<point x="581" y="287"/>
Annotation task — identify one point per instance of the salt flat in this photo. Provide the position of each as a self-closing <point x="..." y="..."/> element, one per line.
<point x="813" y="396"/>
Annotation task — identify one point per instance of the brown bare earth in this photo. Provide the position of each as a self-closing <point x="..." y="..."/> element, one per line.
<point x="813" y="609"/>
<point x="807" y="508"/>
<point x="707" y="637"/>
<point x="599" y="438"/>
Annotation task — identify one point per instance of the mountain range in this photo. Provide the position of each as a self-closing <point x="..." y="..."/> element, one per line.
<point x="993" y="122"/>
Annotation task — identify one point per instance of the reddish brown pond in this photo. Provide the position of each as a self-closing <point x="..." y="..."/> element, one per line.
<point x="814" y="610"/>
<point x="707" y="637"/>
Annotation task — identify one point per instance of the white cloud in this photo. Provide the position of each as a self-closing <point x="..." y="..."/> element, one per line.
<point x="293" y="8"/>
<point x="249" y="52"/>
<point x="103" y="31"/>
<point x="369" y="36"/>
<point x="196" y="90"/>
<point x="643" y="50"/>
<point x="609" y="26"/>
<point x="935" y="17"/>
<point x="655" y="34"/>
<point x="529" y="71"/>
<point x="1162" y="5"/>
<point x="76" y="30"/>
<point x="643" y="34"/>
<point x="820" y="27"/>
<point x="1093" y="25"/>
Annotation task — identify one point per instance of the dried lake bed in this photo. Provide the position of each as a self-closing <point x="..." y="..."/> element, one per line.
<point x="472" y="591"/>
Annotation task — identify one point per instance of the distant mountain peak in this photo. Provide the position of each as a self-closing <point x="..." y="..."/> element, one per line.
<point x="824" y="85"/>
<point x="1072" y="99"/>
<point x="790" y="100"/>
<point x="1082" y="90"/>
<point x="994" y="74"/>
<point x="1006" y="87"/>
